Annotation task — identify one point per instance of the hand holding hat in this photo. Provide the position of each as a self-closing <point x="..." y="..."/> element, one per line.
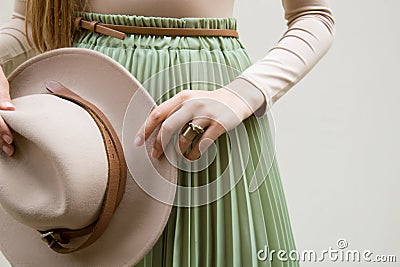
<point x="6" y="137"/>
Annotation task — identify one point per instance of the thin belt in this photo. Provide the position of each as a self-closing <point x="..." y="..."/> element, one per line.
<point x="120" y="31"/>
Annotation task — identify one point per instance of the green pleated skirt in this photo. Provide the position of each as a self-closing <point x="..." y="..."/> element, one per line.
<point x="252" y="215"/>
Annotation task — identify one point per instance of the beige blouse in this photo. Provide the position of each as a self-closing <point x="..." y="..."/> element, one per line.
<point x="309" y="35"/>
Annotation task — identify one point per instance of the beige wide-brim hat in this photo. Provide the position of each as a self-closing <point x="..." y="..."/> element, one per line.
<point x="58" y="173"/>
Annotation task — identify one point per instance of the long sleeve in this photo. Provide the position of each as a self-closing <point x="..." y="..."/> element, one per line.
<point x="308" y="37"/>
<point x="14" y="48"/>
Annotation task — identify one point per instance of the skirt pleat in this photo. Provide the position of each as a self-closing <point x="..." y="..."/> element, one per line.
<point x="253" y="215"/>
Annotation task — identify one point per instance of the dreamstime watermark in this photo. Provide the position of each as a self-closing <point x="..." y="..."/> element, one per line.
<point x="340" y="253"/>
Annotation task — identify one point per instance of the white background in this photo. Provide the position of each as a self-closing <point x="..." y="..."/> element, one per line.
<point x="337" y="131"/>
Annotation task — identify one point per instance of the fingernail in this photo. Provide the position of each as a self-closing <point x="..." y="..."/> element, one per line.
<point x="154" y="153"/>
<point x="138" y="140"/>
<point x="7" y="105"/>
<point x="8" y="150"/>
<point x="7" y="139"/>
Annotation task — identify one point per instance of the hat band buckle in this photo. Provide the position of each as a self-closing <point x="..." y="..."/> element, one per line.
<point x="48" y="238"/>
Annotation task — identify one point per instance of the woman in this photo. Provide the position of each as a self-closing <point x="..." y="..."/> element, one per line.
<point x="230" y="230"/>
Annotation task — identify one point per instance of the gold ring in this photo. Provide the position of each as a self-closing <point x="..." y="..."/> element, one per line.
<point x="191" y="130"/>
<point x="197" y="128"/>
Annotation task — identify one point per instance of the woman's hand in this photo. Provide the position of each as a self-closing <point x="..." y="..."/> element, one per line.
<point x="215" y="111"/>
<point x="6" y="137"/>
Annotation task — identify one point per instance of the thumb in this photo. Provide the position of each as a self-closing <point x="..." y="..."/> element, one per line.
<point x="5" y="100"/>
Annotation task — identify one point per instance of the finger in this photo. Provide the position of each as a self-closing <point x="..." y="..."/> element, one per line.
<point x="9" y="150"/>
<point x="5" y="100"/>
<point x="5" y="133"/>
<point x="6" y="138"/>
<point x="214" y="131"/>
<point x="184" y="142"/>
<point x="169" y="127"/>
<point x="158" y="115"/>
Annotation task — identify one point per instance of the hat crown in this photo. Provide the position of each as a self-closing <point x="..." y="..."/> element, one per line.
<point x="59" y="168"/>
<point x="139" y="220"/>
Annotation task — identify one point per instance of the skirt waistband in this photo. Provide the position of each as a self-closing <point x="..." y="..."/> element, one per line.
<point x="229" y="23"/>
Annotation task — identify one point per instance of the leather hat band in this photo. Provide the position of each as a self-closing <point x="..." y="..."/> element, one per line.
<point x="117" y="173"/>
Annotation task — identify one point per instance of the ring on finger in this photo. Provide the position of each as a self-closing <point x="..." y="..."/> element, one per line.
<point x="191" y="130"/>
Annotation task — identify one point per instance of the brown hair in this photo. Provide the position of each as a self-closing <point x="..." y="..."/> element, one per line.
<point x="51" y="22"/>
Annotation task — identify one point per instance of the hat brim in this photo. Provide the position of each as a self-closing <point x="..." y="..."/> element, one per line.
<point x="140" y="219"/>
